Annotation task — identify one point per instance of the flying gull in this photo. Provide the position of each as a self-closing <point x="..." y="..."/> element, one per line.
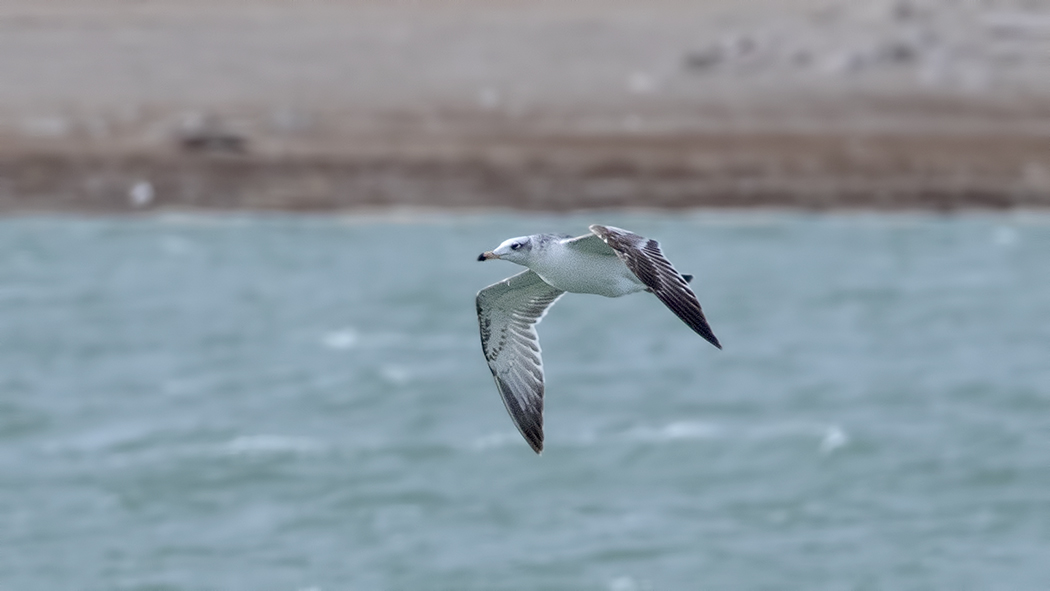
<point x="609" y="261"/>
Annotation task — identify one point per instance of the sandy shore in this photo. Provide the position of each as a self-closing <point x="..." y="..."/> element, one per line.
<point x="541" y="105"/>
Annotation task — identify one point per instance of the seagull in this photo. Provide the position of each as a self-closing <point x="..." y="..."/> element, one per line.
<point x="609" y="261"/>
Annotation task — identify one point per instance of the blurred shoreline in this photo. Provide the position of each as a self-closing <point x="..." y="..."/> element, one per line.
<point x="128" y="106"/>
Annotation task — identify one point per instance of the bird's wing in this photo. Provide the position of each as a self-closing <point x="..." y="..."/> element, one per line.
<point x="644" y="258"/>
<point x="507" y="314"/>
<point x="591" y="244"/>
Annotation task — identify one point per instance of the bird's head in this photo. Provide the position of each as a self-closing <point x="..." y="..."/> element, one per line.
<point x="515" y="250"/>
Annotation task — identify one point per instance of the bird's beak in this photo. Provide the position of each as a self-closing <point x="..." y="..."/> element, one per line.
<point x="487" y="255"/>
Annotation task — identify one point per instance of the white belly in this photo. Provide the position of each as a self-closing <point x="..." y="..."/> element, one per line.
<point x="576" y="272"/>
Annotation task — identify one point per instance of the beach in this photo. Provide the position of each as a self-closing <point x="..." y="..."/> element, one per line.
<point x="322" y="106"/>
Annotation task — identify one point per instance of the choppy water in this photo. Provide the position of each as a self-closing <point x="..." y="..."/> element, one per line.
<point x="301" y="404"/>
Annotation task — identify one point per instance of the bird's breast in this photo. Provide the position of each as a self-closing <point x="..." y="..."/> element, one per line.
<point x="586" y="273"/>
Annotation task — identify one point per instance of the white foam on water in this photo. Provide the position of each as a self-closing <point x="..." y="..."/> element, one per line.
<point x="345" y="338"/>
<point x="831" y="437"/>
<point x="509" y="438"/>
<point x="271" y="444"/>
<point x="834" y="438"/>
<point x="677" y="430"/>
<point x="495" y="440"/>
<point x="395" y="374"/>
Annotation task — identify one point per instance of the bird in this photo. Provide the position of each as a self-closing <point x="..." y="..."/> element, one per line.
<point x="610" y="262"/>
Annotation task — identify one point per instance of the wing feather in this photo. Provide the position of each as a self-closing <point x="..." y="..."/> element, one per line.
<point x="644" y="258"/>
<point x="508" y="312"/>
<point x="590" y="243"/>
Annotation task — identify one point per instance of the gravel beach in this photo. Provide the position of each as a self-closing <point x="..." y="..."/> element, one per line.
<point x="314" y="106"/>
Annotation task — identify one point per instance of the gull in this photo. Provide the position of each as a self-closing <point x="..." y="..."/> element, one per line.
<point x="609" y="261"/>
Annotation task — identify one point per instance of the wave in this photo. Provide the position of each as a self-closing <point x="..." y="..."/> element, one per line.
<point x="345" y="338"/>
<point x="271" y="444"/>
<point x="494" y="440"/>
<point x="676" y="430"/>
<point x="350" y="337"/>
<point x="827" y="438"/>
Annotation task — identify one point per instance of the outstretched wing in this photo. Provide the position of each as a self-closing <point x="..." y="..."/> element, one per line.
<point x="644" y="258"/>
<point x="507" y="315"/>
<point x="590" y="243"/>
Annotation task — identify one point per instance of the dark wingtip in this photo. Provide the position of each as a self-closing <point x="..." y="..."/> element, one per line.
<point x="534" y="437"/>
<point x="531" y="430"/>
<point x="687" y="278"/>
<point x="706" y="333"/>
<point x="481" y="257"/>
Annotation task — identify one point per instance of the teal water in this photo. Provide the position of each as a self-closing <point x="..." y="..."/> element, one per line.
<point x="291" y="404"/>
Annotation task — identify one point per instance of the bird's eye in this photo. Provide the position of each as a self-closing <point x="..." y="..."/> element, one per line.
<point x="515" y="246"/>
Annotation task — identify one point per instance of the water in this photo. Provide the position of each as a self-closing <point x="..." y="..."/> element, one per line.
<point x="297" y="404"/>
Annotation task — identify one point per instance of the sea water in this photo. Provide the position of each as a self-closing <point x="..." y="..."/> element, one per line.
<point x="243" y="403"/>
